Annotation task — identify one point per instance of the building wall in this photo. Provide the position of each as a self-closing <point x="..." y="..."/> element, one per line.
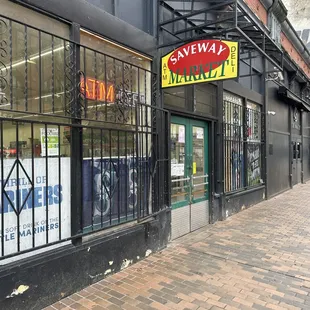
<point x="138" y="13"/>
<point x="279" y="143"/>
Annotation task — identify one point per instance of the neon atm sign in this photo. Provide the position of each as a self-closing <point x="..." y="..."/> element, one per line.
<point x="97" y="90"/>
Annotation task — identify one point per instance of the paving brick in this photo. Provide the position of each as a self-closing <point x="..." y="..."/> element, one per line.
<point x="116" y="301"/>
<point x="258" y="259"/>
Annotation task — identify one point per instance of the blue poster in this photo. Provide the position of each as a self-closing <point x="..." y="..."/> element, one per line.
<point x="237" y="170"/>
<point x="110" y="190"/>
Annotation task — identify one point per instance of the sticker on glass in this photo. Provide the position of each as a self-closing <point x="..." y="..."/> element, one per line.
<point x="199" y="133"/>
<point x="181" y="134"/>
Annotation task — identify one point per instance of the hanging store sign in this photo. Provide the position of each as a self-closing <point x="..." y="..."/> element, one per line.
<point x="200" y="61"/>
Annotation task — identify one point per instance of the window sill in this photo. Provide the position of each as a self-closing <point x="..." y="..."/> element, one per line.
<point x="244" y="191"/>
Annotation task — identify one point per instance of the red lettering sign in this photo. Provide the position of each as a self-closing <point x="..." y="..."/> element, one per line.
<point x="98" y="90"/>
<point x="203" y="55"/>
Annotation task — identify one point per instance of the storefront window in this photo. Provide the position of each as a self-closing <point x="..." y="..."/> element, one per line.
<point x="205" y="99"/>
<point x="253" y="115"/>
<point x="33" y="70"/>
<point x="233" y="137"/>
<point x="175" y="97"/>
<point x="48" y="112"/>
<point x="242" y="141"/>
<point x="116" y="96"/>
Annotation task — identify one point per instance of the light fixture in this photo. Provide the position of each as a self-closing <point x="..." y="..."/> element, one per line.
<point x="276" y="76"/>
<point x="117" y="45"/>
<point x="31" y="59"/>
<point x="273" y="113"/>
<point x="22" y="62"/>
<point x="49" y="95"/>
<point x="47" y="53"/>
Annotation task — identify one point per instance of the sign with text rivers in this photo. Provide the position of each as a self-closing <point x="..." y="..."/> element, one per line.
<point x="200" y="61"/>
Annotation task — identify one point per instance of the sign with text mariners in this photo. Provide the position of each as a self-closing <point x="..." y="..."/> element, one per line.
<point x="200" y="61"/>
<point x="35" y="205"/>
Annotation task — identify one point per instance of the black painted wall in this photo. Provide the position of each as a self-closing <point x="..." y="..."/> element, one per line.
<point x="240" y="202"/>
<point x="306" y="145"/>
<point x="279" y="143"/>
<point x="52" y="276"/>
<point x="138" y="13"/>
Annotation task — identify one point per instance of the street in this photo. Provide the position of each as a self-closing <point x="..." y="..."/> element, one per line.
<point x="257" y="259"/>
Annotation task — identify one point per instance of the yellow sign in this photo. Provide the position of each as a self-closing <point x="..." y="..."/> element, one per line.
<point x="200" y="61"/>
<point x="194" y="167"/>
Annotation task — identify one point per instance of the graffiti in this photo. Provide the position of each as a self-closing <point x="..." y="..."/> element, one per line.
<point x="254" y="169"/>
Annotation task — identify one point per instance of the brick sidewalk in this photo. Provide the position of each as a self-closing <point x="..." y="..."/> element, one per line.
<point x="257" y="259"/>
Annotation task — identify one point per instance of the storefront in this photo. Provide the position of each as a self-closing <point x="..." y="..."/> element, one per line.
<point x="82" y="151"/>
<point x="189" y="174"/>
<point x="194" y="112"/>
<point x="218" y="111"/>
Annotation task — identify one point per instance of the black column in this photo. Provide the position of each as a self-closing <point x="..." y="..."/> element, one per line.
<point x="291" y="155"/>
<point x="302" y="145"/>
<point x="219" y="154"/>
<point x="76" y="140"/>
<point x="265" y="130"/>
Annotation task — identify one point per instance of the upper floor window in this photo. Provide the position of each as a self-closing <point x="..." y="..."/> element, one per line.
<point x="275" y="29"/>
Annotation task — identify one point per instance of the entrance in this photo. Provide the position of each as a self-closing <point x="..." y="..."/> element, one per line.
<point x="189" y="175"/>
<point x="296" y="163"/>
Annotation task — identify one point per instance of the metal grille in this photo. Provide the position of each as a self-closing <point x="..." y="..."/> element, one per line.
<point x="83" y="145"/>
<point x="242" y="144"/>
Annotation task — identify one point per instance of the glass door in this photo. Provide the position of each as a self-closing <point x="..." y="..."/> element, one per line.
<point x="189" y="161"/>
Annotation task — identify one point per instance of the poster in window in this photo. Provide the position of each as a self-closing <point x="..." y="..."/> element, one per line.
<point x="49" y="138"/>
<point x="42" y="202"/>
<point x="254" y="172"/>
<point x="199" y="133"/>
<point x="181" y="138"/>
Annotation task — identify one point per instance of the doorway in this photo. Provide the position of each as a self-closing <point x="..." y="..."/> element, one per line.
<point x="189" y="175"/>
<point x="296" y="162"/>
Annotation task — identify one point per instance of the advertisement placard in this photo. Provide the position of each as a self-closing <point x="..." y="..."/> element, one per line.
<point x="111" y="187"/>
<point x="42" y="201"/>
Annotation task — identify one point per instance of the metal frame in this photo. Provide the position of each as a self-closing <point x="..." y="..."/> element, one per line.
<point x="139" y="128"/>
<point x="220" y="19"/>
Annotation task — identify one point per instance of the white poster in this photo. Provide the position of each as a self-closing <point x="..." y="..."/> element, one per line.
<point x="177" y="170"/>
<point x="199" y="133"/>
<point x="52" y="142"/>
<point x="45" y="204"/>
<point x="181" y="134"/>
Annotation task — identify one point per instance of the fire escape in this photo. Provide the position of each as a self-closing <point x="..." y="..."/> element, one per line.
<point x="182" y="21"/>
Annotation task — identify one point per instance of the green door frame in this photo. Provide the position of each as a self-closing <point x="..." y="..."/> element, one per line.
<point x="189" y="124"/>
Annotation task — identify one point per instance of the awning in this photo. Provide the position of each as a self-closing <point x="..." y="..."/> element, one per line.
<point x="290" y="98"/>
<point x="182" y="21"/>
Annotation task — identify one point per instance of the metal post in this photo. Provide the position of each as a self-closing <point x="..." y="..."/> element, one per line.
<point x="291" y="155"/>
<point x="76" y="141"/>
<point x="211" y="169"/>
<point x="245" y="142"/>
<point x="265" y="125"/>
<point x="220" y="160"/>
<point x="302" y="145"/>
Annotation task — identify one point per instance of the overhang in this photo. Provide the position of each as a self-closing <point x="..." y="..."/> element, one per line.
<point x="290" y="98"/>
<point x="182" y="21"/>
